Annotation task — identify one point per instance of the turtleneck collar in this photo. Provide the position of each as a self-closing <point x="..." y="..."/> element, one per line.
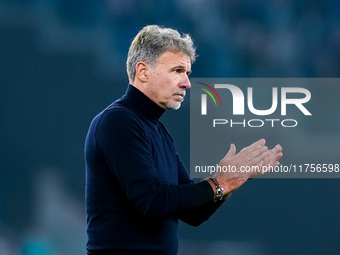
<point x="142" y="104"/>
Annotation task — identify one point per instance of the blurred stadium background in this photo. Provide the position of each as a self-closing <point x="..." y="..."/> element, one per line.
<point x="62" y="61"/>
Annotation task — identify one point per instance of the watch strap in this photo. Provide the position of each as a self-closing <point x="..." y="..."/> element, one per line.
<point x="219" y="190"/>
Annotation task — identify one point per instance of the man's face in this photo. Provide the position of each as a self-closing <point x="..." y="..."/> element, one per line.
<point x="169" y="80"/>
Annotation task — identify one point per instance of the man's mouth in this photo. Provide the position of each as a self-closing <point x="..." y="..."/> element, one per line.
<point x="180" y="93"/>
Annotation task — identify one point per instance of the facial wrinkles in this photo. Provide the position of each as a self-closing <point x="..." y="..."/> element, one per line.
<point x="168" y="80"/>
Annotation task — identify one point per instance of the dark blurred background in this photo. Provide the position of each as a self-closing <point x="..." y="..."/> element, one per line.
<point x="63" y="61"/>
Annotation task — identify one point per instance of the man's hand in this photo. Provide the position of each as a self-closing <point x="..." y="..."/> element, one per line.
<point x="273" y="156"/>
<point x="246" y="164"/>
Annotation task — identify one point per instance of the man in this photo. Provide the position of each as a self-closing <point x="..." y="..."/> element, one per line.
<point x="136" y="184"/>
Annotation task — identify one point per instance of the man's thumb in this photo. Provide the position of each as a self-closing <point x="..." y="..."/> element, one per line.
<point x="232" y="150"/>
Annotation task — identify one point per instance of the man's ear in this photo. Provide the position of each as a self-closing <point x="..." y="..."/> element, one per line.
<point x="141" y="71"/>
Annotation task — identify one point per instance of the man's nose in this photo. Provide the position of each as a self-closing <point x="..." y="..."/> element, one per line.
<point x="185" y="82"/>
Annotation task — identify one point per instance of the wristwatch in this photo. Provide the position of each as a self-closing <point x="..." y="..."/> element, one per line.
<point x="219" y="190"/>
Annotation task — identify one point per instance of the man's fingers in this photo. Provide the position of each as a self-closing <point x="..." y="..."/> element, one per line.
<point x="277" y="157"/>
<point x="262" y="141"/>
<point x="274" y="156"/>
<point x="256" y="145"/>
<point x="277" y="149"/>
<point x="255" y="156"/>
<point x="232" y="151"/>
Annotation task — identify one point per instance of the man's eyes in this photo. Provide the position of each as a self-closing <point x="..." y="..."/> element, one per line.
<point x="180" y="70"/>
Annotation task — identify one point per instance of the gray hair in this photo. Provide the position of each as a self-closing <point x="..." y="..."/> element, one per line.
<point x="151" y="42"/>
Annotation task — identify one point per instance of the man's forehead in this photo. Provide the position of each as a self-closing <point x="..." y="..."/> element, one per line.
<point x="175" y="58"/>
<point x="175" y="55"/>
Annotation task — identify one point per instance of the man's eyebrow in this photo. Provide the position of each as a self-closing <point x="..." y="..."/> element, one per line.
<point x="181" y="67"/>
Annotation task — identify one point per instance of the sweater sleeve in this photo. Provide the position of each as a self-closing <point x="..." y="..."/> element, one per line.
<point x="200" y="214"/>
<point x="120" y="138"/>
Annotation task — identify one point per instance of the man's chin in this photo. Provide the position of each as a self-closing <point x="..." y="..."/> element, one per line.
<point x="172" y="106"/>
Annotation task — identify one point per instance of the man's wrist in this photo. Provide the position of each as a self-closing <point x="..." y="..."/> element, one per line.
<point x="219" y="190"/>
<point x="213" y="186"/>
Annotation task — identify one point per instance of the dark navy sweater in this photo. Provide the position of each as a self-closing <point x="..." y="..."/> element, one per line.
<point x="136" y="185"/>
